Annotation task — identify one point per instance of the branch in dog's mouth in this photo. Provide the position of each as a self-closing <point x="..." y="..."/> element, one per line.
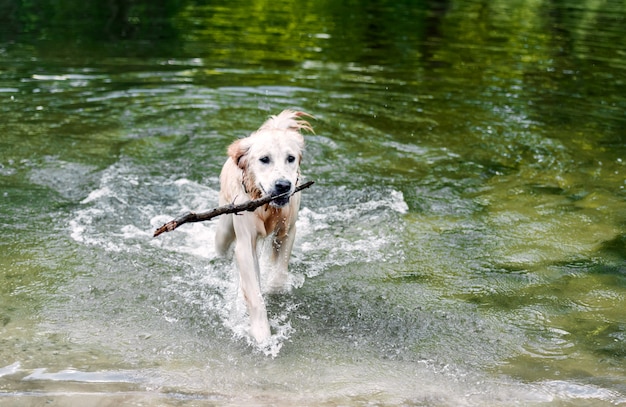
<point x="248" y="206"/>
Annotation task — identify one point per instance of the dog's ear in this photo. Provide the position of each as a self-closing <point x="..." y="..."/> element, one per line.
<point x="238" y="152"/>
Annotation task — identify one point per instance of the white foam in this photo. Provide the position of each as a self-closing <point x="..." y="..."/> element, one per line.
<point x="73" y="375"/>
<point x="195" y="239"/>
<point x="398" y="203"/>
<point x="115" y="216"/>
<point x="237" y="322"/>
<point x="570" y="391"/>
<point x="10" y="370"/>
<point x="97" y="194"/>
<point x="366" y="235"/>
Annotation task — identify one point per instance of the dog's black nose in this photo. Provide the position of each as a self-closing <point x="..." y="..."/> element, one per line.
<point x="282" y="186"/>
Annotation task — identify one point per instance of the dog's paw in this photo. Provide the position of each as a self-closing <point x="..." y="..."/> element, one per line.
<point x="280" y="285"/>
<point x="260" y="331"/>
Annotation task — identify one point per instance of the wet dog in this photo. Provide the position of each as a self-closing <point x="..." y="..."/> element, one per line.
<point x="265" y="163"/>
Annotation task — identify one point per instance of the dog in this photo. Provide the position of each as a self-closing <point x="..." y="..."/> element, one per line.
<point x="265" y="163"/>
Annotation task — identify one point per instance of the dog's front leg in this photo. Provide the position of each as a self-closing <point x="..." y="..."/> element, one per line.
<point x="281" y="248"/>
<point x="247" y="261"/>
<point x="281" y="253"/>
<point x="225" y="235"/>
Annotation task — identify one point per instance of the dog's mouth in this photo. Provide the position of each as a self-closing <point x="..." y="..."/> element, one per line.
<point x="282" y="188"/>
<point x="280" y="202"/>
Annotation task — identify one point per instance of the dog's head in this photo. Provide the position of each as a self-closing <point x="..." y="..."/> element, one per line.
<point x="270" y="157"/>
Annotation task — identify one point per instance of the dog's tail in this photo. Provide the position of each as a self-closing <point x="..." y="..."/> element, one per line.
<point x="288" y="120"/>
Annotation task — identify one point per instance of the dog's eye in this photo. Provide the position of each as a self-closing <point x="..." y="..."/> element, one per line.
<point x="265" y="159"/>
<point x="291" y="158"/>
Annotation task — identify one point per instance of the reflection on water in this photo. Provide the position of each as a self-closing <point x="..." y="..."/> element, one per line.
<point x="464" y="243"/>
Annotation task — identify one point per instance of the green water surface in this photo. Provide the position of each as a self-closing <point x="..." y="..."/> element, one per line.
<point x="464" y="243"/>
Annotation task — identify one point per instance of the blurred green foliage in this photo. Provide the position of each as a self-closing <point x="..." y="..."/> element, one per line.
<point x="88" y="20"/>
<point x="550" y="48"/>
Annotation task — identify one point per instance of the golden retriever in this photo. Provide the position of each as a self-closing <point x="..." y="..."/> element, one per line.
<point x="266" y="162"/>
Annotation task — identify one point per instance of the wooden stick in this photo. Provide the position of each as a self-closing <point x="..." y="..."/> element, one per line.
<point x="230" y="208"/>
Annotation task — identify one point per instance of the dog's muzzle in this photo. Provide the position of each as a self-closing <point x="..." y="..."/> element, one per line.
<point x="281" y="186"/>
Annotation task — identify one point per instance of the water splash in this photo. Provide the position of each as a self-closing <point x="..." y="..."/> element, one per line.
<point x="128" y="204"/>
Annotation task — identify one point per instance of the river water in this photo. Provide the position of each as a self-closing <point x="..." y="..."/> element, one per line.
<point x="464" y="243"/>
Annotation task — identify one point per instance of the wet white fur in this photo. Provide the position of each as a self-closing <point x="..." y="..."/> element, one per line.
<point x="256" y="165"/>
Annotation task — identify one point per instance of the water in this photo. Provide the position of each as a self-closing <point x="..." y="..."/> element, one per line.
<point x="464" y="243"/>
